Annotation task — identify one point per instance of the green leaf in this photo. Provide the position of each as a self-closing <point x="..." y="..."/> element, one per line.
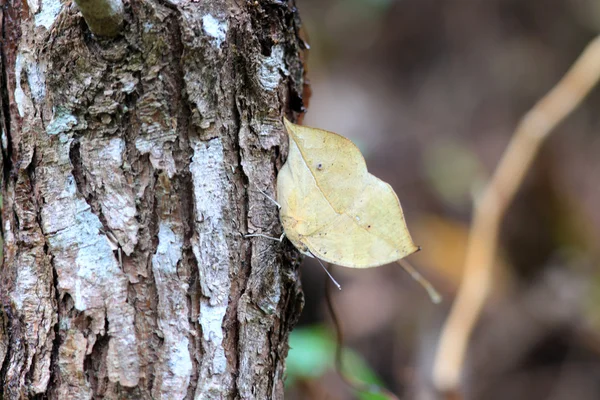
<point x="312" y="353"/>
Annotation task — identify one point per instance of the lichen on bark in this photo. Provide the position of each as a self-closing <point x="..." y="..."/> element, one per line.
<point x="129" y="168"/>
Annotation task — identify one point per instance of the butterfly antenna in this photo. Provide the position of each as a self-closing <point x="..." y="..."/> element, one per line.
<point x="270" y="198"/>
<point x="279" y="239"/>
<point x="435" y="297"/>
<point x="328" y="274"/>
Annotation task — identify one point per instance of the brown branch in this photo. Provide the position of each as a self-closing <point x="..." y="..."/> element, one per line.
<point x="490" y="209"/>
<point x="103" y="17"/>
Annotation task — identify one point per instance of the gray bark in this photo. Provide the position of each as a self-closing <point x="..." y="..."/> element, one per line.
<point x="128" y="173"/>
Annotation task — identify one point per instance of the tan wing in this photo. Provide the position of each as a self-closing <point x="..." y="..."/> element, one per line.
<point x="371" y="233"/>
<point x="334" y="162"/>
<point x="304" y="209"/>
<point x="333" y="207"/>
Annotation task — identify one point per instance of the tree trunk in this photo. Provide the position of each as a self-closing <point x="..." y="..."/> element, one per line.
<point x="130" y="169"/>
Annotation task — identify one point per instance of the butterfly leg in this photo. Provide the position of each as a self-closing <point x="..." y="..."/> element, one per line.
<point x="280" y="239"/>
<point x="270" y="198"/>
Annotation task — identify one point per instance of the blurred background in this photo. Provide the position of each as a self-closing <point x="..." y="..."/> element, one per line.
<point x="431" y="92"/>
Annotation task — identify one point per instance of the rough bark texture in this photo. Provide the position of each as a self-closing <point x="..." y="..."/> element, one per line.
<point x="128" y="173"/>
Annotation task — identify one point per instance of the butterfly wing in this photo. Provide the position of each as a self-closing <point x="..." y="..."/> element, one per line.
<point x="334" y="208"/>
<point x="370" y="233"/>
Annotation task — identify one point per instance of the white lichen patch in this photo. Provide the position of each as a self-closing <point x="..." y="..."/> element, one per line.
<point x="115" y="7"/>
<point x="32" y="297"/>
<point x="86" y="266"/>
<point x="209" y="244"/>
<point x="211" y="320"/>
<point x="47" y="13"/>
<point x="180" y="362"/>
<point x="23" y="101"/>
<point x="111" y="150"/>
<point x="36" y="78"/>
<point x="122" y="357"/>
<point x="169" y="250"/>
<point x="173" y="374"/>
<point x="158" y="132"/>
<point x="34" y="6"/>
<point x="214" y="28"/>
<point x="161" y="156"/>
<point x="73" y="228"/>
<point x="271" y="68"/>
<point x="62" y="121"/>
<point x="36" y="81"/>
<point x="103" y="161"/>
<point x="128" y="82"/>
<point x="27" y="281"/>
<point x="209" y="178"/>
<point x="4" y="139"/>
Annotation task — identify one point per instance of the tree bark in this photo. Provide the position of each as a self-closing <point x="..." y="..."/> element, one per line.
<point x="129" y="174"/>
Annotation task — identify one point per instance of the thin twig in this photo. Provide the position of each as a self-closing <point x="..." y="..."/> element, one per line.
<point x="490" y="209"/>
